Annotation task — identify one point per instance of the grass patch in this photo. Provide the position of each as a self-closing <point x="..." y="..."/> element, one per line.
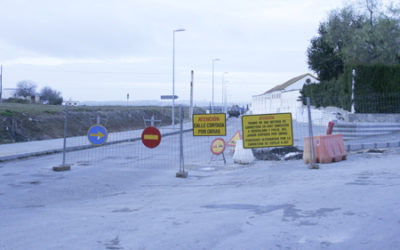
<point x="30" y="108"/>
<point x="50" y="112"/>
<point x="7" y="113"/>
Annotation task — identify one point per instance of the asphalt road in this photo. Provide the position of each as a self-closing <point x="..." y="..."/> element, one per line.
<point x="115" y="203"/>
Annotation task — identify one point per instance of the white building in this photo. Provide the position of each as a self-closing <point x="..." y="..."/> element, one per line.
<point x="283" y="98"/>
<point x="71" y="103"/>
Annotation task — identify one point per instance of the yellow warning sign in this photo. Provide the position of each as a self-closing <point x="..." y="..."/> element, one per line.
<point x="268" y="130"/>
<point x="209" y="125"/>
<point x="232" y="141"/>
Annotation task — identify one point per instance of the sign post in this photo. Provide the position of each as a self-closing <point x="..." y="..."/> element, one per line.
<point x="267" y="130"/>
<point x="182" y="173"/>
<point x="218" y="147"/>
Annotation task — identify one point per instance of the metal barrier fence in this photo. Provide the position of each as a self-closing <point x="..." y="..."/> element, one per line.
<point x="369" y="129"/>
<point x="127" y="148"/>
<point x="363" y="125"/>
<point x="359" y="130"/>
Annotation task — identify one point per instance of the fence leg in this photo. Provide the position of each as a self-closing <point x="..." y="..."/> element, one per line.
<point x="181" y="173"/>
<point x="312" y="164"/>
<point x="64" y="167"/>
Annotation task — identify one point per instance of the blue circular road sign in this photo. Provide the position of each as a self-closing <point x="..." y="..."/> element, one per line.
<point x="97" y="135"/>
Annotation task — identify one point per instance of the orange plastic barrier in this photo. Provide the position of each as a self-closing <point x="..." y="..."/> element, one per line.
<point x="328" y="148"/>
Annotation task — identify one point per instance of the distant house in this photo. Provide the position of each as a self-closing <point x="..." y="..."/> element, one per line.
<point x="283" y="98"/>
<point x="12" y="93"/>
<point x="71" y="103"/>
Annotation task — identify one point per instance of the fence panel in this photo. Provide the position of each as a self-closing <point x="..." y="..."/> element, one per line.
<point x="369" y="126"/>
<point x="124" y="146"/>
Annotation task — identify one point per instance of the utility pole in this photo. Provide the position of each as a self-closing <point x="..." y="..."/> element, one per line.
<point x="353" y="76"/>
<point x="173" y="75"/>
<point x="223" y="90"/>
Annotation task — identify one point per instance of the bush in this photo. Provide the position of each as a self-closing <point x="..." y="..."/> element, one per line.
<point x="8" y="113"/>
<point x="378" y="84"/>
<point x="50" y="96"/>
<point x="328" y="93"/>
<point x="17" y="100"/>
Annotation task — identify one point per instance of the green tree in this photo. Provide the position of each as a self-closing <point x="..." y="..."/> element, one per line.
<point x="376" y="42"/>
<point x="355" y="37"/>
<point x="323" y="58"/>
<point x="50" y="96"/>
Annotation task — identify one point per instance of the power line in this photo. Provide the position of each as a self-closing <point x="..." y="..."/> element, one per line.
<point x="90" y="72"/>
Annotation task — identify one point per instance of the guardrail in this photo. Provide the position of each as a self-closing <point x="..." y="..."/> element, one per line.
<point x="368" y="135"/>
<point x="351" y="130"/>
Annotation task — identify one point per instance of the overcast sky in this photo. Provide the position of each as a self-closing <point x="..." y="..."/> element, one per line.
<point x="100" y="50"/>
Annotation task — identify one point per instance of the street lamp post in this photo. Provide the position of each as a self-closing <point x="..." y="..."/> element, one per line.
<point x="223" y="89"/>
<point x="173" y="75"/>
<point x="226" y="100"/>
<point x="212" y="99"/>
<point x="226" y="97"/>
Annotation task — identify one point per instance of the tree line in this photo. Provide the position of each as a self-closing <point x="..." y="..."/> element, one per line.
<point x="47" y="95"/>
<point x="367" y="35"/>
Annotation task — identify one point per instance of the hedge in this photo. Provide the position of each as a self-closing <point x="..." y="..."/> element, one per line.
<point x="376" y="90"/>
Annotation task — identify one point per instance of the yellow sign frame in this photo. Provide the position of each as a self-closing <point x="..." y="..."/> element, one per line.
<point x="209" y="124"/>
<point x="267" y="130"/>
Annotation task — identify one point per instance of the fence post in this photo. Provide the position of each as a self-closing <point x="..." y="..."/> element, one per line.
<point x="64" y="167"/>
<point x="181" y="173"/>
<point x="312" y="164"/>
<point x="353" y="76"/>
<point x="1" y="83"/>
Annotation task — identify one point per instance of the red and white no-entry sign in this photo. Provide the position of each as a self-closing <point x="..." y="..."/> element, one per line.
<point x="151" y="137"/>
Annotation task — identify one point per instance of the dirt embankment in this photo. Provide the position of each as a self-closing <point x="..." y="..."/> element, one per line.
<point x="40" y="122"/>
